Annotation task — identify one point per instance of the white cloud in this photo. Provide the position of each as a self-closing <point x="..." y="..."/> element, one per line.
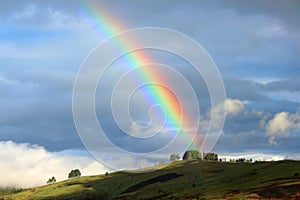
<point x="233" y="106"/>
<point x="25" y="165"/>
<point x="35" y="14"/>
<point x="263" y="80"/>
<point x="280" y="125"/>
<point x="219" y="112"/>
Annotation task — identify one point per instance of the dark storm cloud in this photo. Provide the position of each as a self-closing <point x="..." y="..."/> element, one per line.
<point x="38" y="110"/>
<point x="256" y="95"/>
<point x="256" y="141"/>
<point x="43" y="44"/>
<point x="283" y="11"/>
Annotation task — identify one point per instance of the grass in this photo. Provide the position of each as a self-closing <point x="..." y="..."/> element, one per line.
<point x="181" y="180"/>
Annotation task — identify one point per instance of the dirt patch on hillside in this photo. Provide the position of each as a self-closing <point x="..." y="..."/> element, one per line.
<point x="289" y="192"/>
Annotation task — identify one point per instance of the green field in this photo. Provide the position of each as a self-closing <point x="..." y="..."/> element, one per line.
<point x="182" y="180"/>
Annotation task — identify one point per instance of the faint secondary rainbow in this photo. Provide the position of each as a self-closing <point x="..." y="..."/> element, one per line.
<point x="107" y="26"/>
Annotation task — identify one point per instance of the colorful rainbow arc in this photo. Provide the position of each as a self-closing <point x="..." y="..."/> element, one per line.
<point x="108" y="26"/>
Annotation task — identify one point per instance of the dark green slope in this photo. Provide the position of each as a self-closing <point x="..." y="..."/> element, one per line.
<point x="182" y="180"/>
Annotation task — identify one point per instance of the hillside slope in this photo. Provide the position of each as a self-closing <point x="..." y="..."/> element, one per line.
<point x="181" y="180"/>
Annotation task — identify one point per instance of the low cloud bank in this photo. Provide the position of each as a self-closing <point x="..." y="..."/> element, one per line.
<point x="26" y="165"/>
<point x="259" y="156"/>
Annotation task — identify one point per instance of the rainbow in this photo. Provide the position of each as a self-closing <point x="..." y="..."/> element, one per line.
<point x="107" y="26"/>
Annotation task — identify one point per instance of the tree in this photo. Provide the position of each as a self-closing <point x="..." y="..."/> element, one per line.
<point x="210" y="156"/>
<point x="51" y="180"/>
<point x="174" y="157"/>
<point x="74" y="173"/>
<point x="71" y="174"/>
<point x="77" y="173"/>
<point x="191" y="155"/>
<point x="241" y="160"/>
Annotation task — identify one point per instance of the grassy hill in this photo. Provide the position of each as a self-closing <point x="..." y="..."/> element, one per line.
<point x="181" y="180"/>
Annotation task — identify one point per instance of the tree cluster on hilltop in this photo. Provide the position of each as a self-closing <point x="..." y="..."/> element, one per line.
<point x="74" y="173"/>
<point x="194" y="154"/>
<point x="210" y="156"/>
<point x="191" y="155"/>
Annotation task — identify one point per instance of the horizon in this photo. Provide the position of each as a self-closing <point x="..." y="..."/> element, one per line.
<point x="44" y="45"/>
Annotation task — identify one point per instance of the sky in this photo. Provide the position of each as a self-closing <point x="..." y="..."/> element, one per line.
<point x="254" y="44"/>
